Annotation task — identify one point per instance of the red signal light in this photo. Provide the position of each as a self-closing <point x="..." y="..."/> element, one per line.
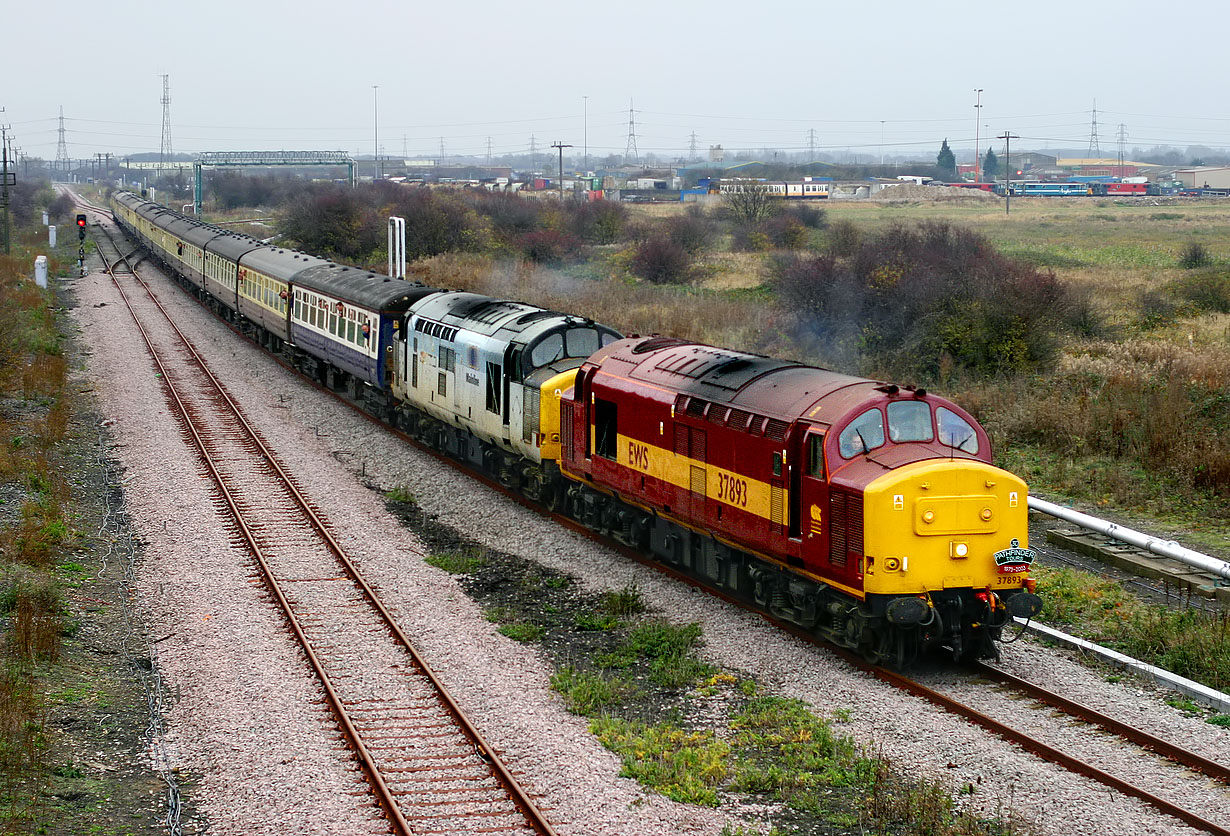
<point x="81" y="221"/>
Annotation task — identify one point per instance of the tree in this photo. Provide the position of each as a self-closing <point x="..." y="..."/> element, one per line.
<point x="946" y="161"/>
<point x="747" y="204"/>
<point x="990" y="165"/>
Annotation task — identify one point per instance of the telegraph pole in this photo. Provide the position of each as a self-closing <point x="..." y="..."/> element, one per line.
<point x="375" y="132"/>
<point x="4" y="180"/>
<point x="1007" y="137"/>
<point x="977" y="124"/>
<point x="561" y="146"/>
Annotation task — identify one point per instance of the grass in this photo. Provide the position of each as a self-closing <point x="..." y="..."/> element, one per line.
<point x="35" y="406"/>
<point x="456" y="562"/>
<point x="1189" y="642"/>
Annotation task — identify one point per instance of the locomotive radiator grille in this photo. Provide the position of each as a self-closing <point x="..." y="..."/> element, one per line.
<point x="529" y="412"/>
<point x="565" y="428"/>
<point x="777" y="504"/>
<point x="698" y="480"/>
<point x="837" y="529"/>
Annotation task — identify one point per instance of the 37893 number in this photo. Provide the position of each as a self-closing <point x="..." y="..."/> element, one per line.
<point x="732" y="489"/>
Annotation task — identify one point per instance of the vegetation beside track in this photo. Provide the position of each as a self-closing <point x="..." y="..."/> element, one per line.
<point x="1190" y="642"/>
<point x="35" y="522"/>
<point x="684" y="727"/>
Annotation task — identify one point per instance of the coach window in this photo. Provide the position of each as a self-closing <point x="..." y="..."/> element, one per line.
<point x="955" y="432"/>
<point x="865" y="433"/>
<point x="349" y="330"/>
<point x="909" y="421"/>
<point x="605" y="429"/>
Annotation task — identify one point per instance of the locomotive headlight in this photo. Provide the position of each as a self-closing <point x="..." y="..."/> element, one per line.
<point x="892" y="564"/>
<point x="928" y="516"/>
<point x="986" y="514"/>
<point x="959" y="550"/>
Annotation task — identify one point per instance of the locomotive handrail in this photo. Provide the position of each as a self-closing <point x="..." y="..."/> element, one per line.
<point x="1156" y="545"/>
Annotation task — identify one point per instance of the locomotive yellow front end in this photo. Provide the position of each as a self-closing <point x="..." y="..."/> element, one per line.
<point x="947" y="549"/>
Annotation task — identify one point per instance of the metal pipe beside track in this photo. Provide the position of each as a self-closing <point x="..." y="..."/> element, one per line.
<point x="1156" y="545"/>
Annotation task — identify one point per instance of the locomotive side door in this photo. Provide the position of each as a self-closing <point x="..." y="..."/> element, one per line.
<point x="810" y="500"/>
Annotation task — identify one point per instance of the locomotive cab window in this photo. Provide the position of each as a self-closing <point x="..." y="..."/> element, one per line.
<point x="605" y="430"/>
<point x="909" y="421"/>
<point x="549" y="349"/>
<point x="955" y="432"/>
<point x="864" y="434"/>
<point x="582" y="342"/>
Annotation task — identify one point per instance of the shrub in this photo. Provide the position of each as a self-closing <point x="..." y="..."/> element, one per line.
<point x="923" y="300"/>
<point x="752" y="239"/>
<point x="844" y="238"/>
<point x="1156" y="309"/>
<point x="547" y="246"/>
<point x="1194" y="255"/>
<point x="661" y="261"/>
<point x="599" y="222"/>
<point x="511" y="216"/>
<point x="1207" y="290"/>
<point x="694" y="230"/>
<point x="812" y="217"/>
<point x="787" y="231"/>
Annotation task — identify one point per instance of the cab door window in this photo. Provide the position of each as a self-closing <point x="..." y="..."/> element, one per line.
<point x="815" y="456"/>
<point x="605" y="429"/>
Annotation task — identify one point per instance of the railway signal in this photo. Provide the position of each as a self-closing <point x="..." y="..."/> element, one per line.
<point x="81" y="227"/>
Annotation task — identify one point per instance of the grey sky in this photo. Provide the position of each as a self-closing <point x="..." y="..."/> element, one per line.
<point x="262" y="75"/>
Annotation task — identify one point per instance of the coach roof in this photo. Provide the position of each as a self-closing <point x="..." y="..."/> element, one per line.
<point x="373" y="291"/>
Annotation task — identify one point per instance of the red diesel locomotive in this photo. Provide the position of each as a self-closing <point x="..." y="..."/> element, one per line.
<point x="867" y="513"/>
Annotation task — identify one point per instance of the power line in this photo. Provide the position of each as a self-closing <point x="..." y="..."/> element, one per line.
<point x="630" y="151"/>
<point x="62" y="148"/>
<point x="164" y="155"/>
<point x="1095" y="150"/>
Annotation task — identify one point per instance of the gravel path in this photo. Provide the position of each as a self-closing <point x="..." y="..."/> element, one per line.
<point x="204" y="601"/>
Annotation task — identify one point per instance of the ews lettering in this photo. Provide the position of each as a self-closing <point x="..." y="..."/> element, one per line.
<point x="732" y="489"/>
<point x="638" y="456"/>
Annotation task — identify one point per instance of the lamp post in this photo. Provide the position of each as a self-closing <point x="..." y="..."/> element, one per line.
<point x="375" y="132"/>
<point x="881" y="145"/>
<point x="585" y="133"/>
<point x="977" y="124"/>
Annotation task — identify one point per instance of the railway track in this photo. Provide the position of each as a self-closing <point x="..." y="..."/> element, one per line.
<point x="1100" y="754"/>
<point x="429" y="769"/>
<point x="1149" y="745"/>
